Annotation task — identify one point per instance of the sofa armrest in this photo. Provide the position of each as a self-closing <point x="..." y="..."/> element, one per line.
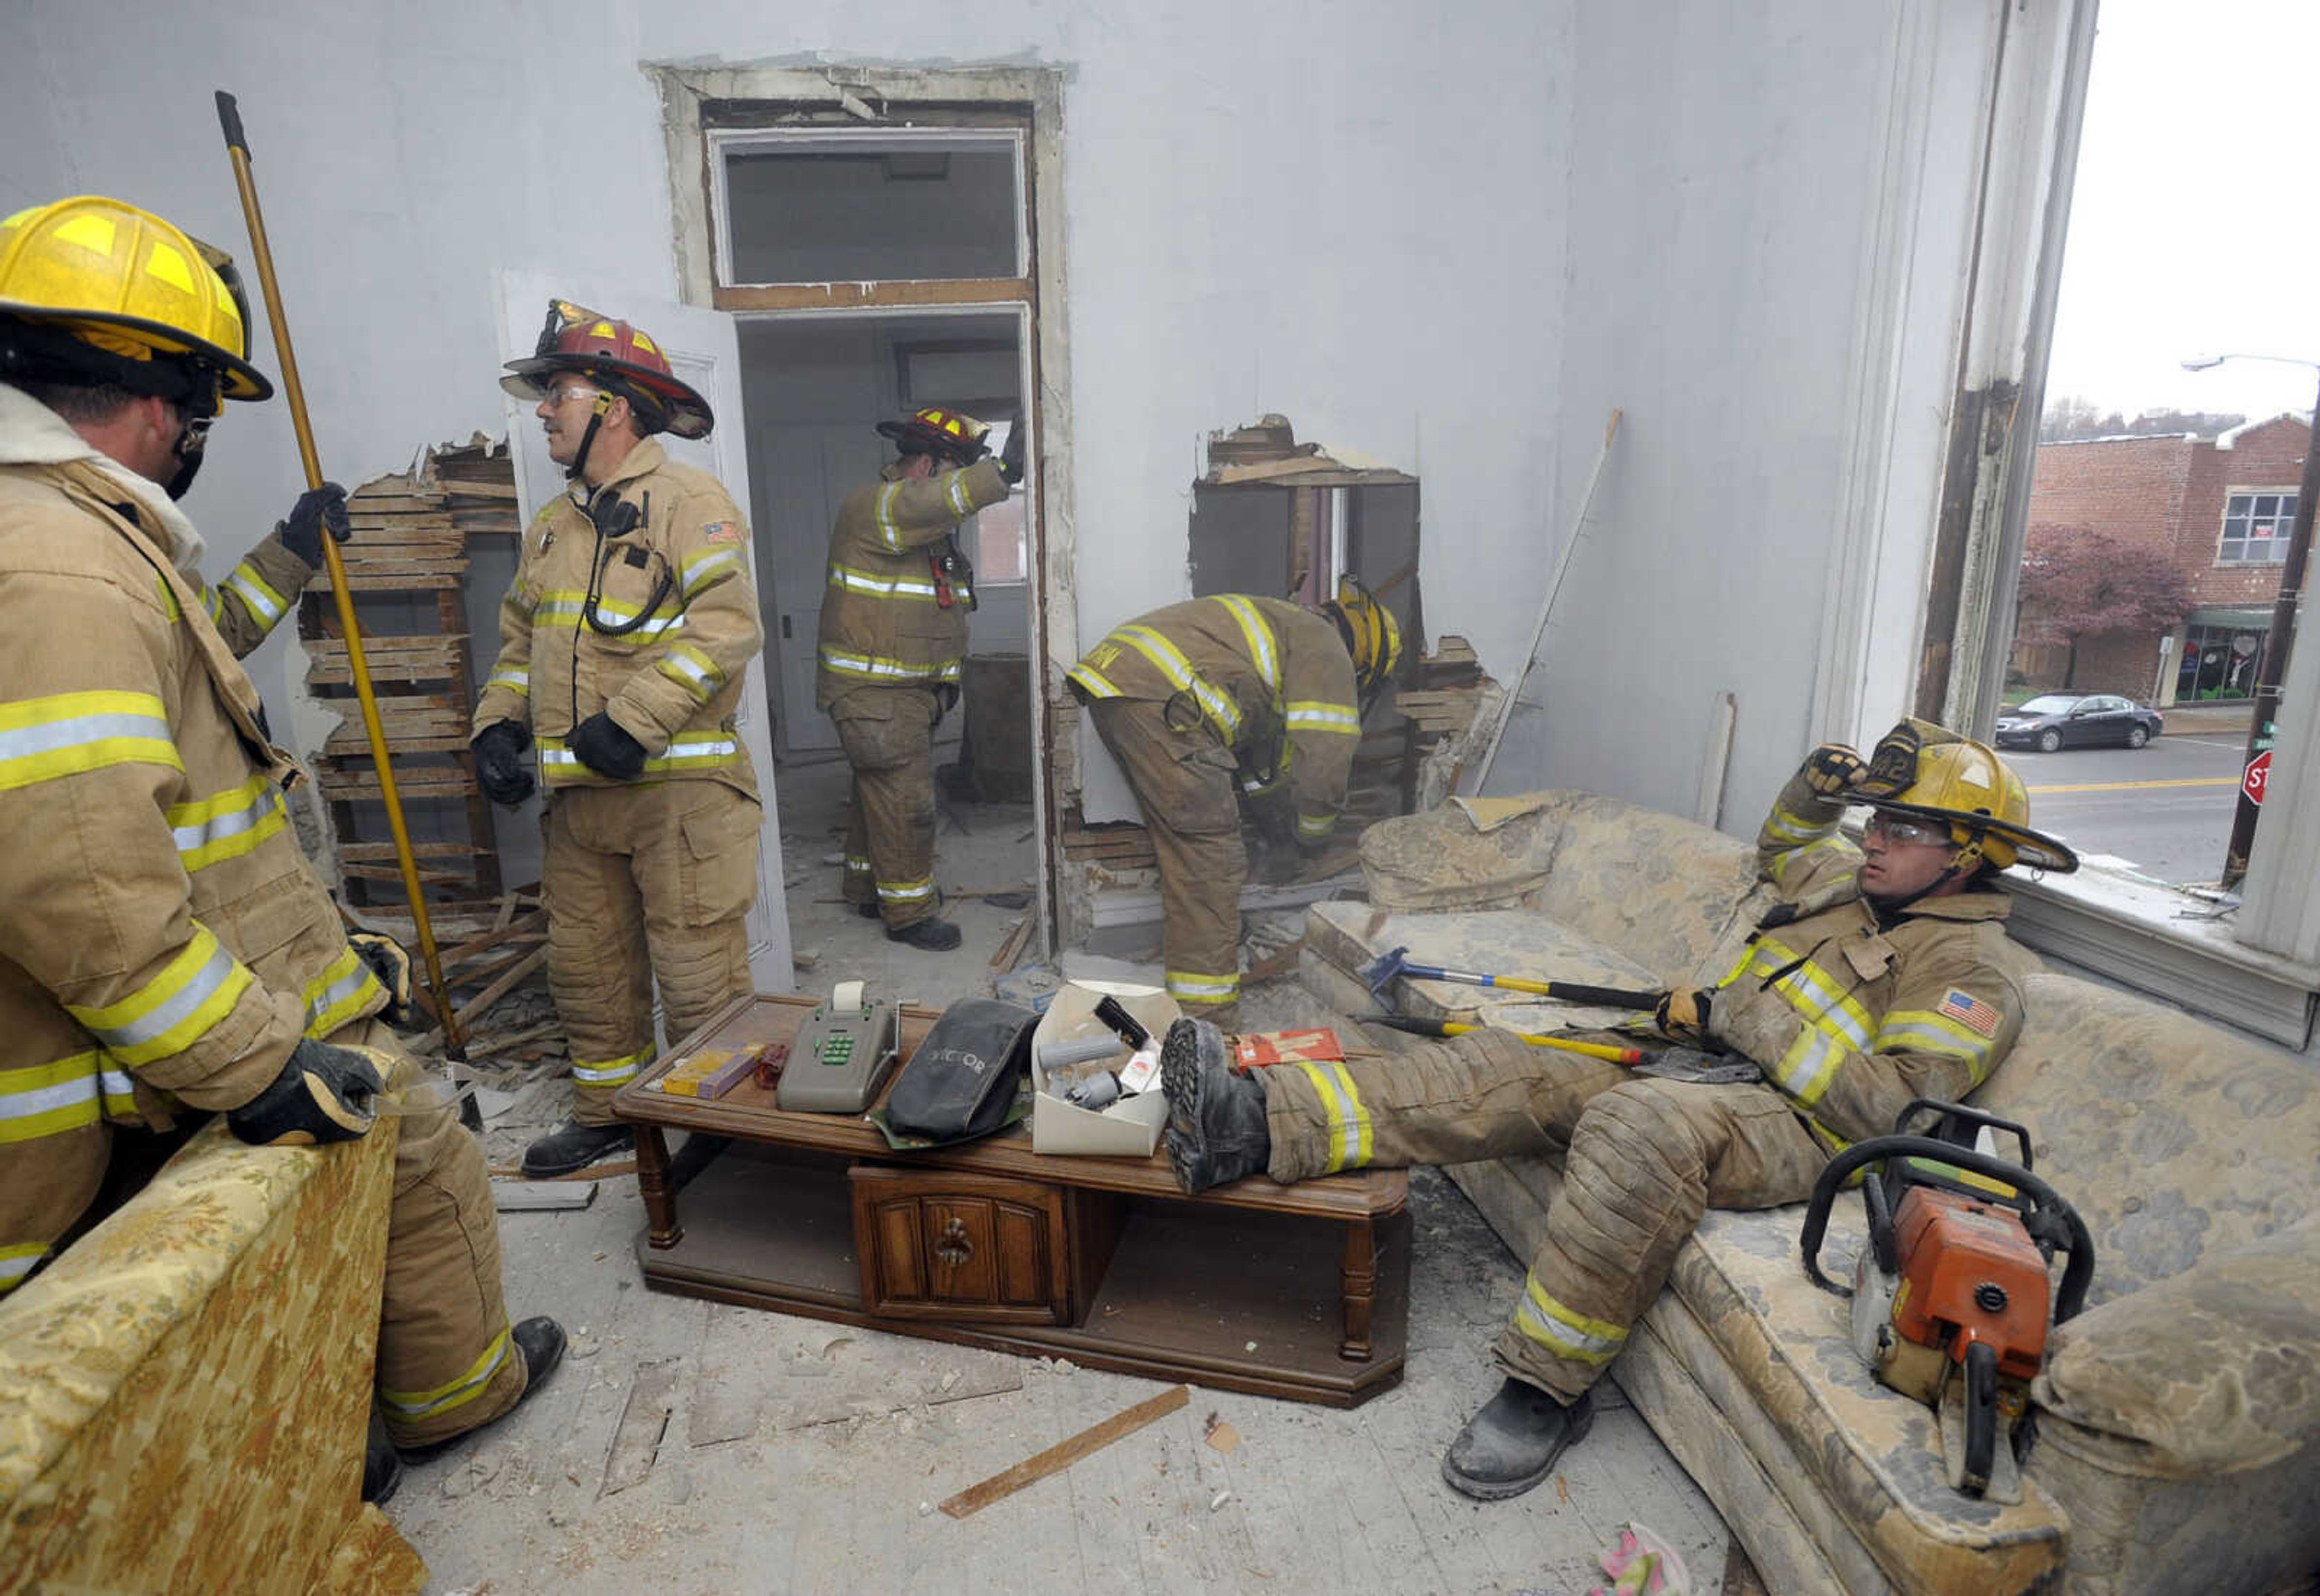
<point x="2217" y="1367"/>
<point x="184" y="1391"/>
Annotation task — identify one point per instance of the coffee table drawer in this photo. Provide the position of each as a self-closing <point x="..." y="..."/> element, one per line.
<point x="941" y="1244"/>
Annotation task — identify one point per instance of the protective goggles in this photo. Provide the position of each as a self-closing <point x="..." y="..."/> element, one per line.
<point x="1903" y="833"/>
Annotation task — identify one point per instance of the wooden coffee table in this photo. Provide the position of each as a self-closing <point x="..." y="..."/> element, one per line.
<point x="1298" y="1292"/>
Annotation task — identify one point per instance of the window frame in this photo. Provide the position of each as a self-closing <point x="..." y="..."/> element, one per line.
<point x="2282" y="520"/>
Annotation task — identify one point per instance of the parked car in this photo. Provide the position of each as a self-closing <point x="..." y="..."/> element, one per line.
<point x="2055" y="720"/>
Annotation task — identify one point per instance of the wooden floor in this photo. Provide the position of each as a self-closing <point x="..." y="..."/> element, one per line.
<point x="803" y="1457"/>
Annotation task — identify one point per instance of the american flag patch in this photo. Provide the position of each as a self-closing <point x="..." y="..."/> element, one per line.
<point x="722" y="531"/>
<point x="1970" y="1012"/>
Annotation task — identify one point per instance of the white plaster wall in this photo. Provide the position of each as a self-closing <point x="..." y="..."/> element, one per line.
<point x="1355" y="217"/>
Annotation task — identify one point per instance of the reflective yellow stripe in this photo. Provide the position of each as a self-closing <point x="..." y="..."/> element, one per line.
<point x="43" y="738"/>
<point x="686" y="753"/>
<point x="1319" y="716"/>
<point x="227" y="825"/>
<point x="692" y="670"/>
<point x="611" y="1071"/>
<point x="514" y="678"/>
<point x="959" y="502"/>
<point x="340" y="993"/>
<point x="1352" y="1137"/>
<point x="1921" y="1030"/>
<point x="907" y="892"/>
<point x="853" y="579"/>
<point x="255" y="591"/>
<point x="561" y="610"/>
<point x="1264" y="651"/>
<point x="1315" y="826"/>
<point x="16" y="1262"/>
<point x="1191" y="987"/>
<point x="699" y="569"/>
<point x="38" y="1099"/>
<point x="882" y="511"/>
<point x="410" y="1406"/>
<point x="879" y="668"/>
<point x="1564" y="1331"/>
<point x="1097" y="684"/>
<point x="1169" y="662"/>
<point x="1795" y="830"/>
<point x="858" y="865"/>
<point x="1786" y="864"/>
<point x="176" y="1009"/>
<point x="214" y="601"/>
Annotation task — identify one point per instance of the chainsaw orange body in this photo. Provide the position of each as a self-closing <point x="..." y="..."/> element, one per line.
<point x="1970" y="1273"/>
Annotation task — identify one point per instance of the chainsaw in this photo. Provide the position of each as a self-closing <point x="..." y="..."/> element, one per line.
<point x="1952" y="1297"/>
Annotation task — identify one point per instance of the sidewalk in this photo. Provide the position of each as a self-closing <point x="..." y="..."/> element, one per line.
<point x="2212" y="718"/>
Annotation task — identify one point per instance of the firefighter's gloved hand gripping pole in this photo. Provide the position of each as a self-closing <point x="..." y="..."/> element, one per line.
<point x="237" y="147"/>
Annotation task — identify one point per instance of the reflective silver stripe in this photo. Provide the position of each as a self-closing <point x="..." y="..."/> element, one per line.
<point x="205" y="982"/>
<point x="264" y="602"/>
<point x="1257" y="632"/>
<point x="1169" y="662"/>
<point x="514" y="679"/>
<point x="1208" y="988"/>
<point x="344" y="979"/>
<point x="413" y="1405"/>
<point x="16" y="1262"/>
<point x="1782" y="826"/>
<point x="1324" y="717"/>
<point x="1316" y="825"/>
<point x="564" y="609"/>
<point x="887" y="530"/>
<point x="1093" y="680"/>
<point x="959" y="502"/>
<point x="877" y="668"/>
<point x="856" y="865"/>
<point x="1562" y="1331"/>
<point x="609" y="1072"/>
<point x="683" y="752"/>
<point x="52" y="735"/>
<point x="700" y="567"/>
<point x="906" y="891"/>
<point x="223" y="822"/>
<point x="853" y="579"/>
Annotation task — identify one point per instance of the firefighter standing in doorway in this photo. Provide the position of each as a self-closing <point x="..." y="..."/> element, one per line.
<point x="164" y="944"/>
<point x="1221" y="701"/>
<point x="624" y="642"/>
<point x="893" y="633"/>
<point x="1881" y="974"/>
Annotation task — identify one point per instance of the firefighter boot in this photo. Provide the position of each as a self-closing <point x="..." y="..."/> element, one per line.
<point x="933" y="936"/>
<point x="382" y="1465"/>
<point x="540" y="1343"/>
<point x="1510" y="1444"/>
<point x="1216" y="1118"/>
<point x="572" y="1146"/>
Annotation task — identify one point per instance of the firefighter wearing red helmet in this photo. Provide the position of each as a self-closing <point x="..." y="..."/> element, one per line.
<point x="624" y="642"/>
<point x="893" y="633"/>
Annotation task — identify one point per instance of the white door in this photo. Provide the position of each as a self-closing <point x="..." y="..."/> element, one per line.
<point x="702" y="350"/>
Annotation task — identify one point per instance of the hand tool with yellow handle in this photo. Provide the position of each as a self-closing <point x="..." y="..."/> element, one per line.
<point x="1452" y="1027"/>
<point x="1381" y="972"/>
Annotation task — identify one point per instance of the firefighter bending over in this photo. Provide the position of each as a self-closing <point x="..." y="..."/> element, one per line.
<point x="165" y="947"/>
<point x="624" y="643"/>
<point x="1221" y="701"/>
<point x="1884" y="973"/>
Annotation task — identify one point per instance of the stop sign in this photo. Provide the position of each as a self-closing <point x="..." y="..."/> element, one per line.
<point x="2251" y="779"/>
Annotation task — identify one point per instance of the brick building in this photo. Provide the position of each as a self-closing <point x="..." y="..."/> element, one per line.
<point x="2221" y="509"/>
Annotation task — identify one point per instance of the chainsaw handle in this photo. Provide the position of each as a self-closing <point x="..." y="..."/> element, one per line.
<point x="2077" y="1273"/>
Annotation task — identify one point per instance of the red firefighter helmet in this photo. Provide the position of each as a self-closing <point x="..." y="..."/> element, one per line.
<point x="618" y="355"/>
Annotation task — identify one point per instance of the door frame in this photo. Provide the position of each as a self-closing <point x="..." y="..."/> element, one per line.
<point x="700" y="101"/>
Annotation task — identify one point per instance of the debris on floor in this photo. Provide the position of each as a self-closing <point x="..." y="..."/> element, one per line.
<point x="1064" y="1454"/>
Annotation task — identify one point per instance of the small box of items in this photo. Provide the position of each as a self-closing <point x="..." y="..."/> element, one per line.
<point x="1095" y="1070"/>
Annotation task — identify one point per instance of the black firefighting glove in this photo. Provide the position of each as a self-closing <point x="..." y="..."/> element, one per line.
<point x="1683" y="1015"/>
<point x="1833" y="767"/>
<point x="317" y="508"/>
<point x="600" y="745"/>
<point x="1011" y="455"/>
<point x="501" y="768"/>
<point x="324" y="1093"/>
<point x="392" y="965"/>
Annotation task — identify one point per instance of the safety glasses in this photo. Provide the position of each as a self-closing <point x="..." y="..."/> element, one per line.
<point x="1903" y="832"/>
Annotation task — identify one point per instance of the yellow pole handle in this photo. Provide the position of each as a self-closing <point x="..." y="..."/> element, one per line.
<point x="230" y="118"/>
<point x="1562" y="1044"/>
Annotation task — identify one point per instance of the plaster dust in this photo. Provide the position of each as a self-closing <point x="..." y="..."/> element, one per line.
<point x="799" y="1455"/>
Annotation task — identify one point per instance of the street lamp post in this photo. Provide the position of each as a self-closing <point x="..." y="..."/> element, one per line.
<point x="2271" y="670"/>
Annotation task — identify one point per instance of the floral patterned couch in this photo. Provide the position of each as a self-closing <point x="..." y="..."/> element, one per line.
<point x="184" y="1391"/>
<point x="2178" y="1416"/>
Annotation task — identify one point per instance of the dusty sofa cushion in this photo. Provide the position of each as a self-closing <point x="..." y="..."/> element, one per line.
<point x="2218" y="1368"/>
<point x="1439" y="860"/>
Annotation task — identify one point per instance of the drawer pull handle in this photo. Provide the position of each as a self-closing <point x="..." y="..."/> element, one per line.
<point x="952" y="1248"/>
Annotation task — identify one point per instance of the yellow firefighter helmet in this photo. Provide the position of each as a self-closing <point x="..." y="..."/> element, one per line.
<point x="102" y="290"/>
<point x="1967" y="785"/>
<point x="1370" y="635"/>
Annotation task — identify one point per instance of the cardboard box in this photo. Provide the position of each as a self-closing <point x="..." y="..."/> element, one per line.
<point x="1128" y="1128"/>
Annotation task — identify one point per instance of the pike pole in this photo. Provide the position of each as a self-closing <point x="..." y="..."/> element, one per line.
<point x="237" y="147"/>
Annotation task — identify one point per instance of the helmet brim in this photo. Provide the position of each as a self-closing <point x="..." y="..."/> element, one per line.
<point x="930" y="441"/>
<point x="2033" y="850"/>
<point x="238" y="378"/>
<point x="688" y="412"/>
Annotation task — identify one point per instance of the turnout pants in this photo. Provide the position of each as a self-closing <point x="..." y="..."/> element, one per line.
<point x="644" y="884"/>
<point x="1643" y="1158"/>
<point x="888" y="735"/>
<point x="446" y="1362"/>
<point x="1185" y="782"/>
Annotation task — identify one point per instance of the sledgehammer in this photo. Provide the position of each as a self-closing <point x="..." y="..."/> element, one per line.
<point x="1380" y="973"/>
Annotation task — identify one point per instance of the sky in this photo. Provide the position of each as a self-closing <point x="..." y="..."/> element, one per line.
<point x="2193" y="225"/>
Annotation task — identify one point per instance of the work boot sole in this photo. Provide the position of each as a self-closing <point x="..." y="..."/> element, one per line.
<point x="1582" y="1420"/>
<point x="929" y="936"/>
<point x="1191" y="1056"/>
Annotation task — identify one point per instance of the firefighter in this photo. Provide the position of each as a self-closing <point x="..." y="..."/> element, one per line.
<point x="165" y="947"/>
<point x="894" y="630"/>
<point x="1881" y="974"/>
<point x="1220" y="702"/>
<point x="624" y="642"/>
